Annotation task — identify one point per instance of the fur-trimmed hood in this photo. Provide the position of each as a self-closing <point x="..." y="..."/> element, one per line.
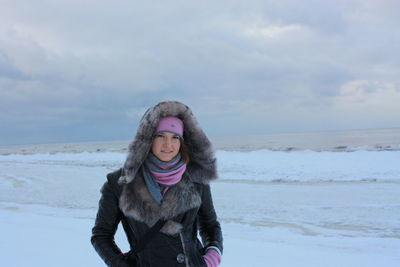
<point x="202" y="166"/>
<point x="135" y="200"/>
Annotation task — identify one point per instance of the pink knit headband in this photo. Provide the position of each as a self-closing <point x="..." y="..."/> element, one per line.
<point x="170" y="124"/>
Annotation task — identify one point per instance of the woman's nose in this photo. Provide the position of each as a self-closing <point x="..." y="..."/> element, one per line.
<point x="167" y="141"/>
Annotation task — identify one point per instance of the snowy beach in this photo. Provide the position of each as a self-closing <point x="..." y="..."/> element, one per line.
<point x="299" y="100"/>
<point x="277" y="208"/>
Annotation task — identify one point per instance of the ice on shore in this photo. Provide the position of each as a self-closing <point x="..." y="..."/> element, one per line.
<point x="298" y="208"/>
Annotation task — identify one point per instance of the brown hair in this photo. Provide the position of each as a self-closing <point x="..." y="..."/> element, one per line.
<point x="184" y="150"/>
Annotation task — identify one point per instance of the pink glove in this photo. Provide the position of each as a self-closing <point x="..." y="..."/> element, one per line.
<point x="212" y="258"/>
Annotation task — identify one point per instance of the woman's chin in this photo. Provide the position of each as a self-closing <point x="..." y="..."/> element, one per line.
<point x="165" y="156"/>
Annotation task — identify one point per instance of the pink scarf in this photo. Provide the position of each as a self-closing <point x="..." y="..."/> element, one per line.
<point x="160" y="175"/>
<point x="166" y="173"/>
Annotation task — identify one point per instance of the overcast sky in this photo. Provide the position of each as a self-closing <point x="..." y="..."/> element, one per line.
<point x="87" y="70"/>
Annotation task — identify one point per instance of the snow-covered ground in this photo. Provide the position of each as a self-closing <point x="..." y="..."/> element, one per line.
<point x="299" y="208"/>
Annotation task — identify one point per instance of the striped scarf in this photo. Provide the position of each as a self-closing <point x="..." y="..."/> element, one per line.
<point x="160" y="175"/>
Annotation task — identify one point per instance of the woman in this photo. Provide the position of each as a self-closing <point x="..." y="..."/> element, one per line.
<point x="162" y="196"/>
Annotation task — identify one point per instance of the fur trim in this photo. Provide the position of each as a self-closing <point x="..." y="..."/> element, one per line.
<point x="135" y="200"/>
<point x="137" y="203"/>
<point x="202" y="165"/>
<point x="171" y="228"/>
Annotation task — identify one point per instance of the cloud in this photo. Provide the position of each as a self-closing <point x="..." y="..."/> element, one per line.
<point x="72" y="64"/>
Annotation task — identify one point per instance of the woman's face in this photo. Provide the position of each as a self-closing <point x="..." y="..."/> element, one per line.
<point x="166" y="146"/>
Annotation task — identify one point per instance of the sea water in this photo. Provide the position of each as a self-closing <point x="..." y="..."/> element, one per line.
<point x="325" y="199"/>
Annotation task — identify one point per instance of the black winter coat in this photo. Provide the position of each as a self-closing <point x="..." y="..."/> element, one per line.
<point x="166" y="249"/>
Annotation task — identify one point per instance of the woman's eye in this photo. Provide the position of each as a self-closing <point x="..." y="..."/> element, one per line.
<point x="159" y="136"/>
<point x="176" y="137"/>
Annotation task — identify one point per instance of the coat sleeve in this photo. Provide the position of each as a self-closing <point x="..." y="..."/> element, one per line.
<point x="209" y="227"/>
<point x="107" y="220"/>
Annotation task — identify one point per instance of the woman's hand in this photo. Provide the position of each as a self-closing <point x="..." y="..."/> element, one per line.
<point x="212" y="258"/>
